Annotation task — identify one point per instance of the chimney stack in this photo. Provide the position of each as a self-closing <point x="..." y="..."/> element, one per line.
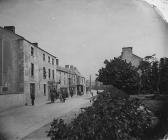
<point x="35" y="44"/>
<point x="10" y="28"/>
<point x="57" y="62"/>
<point x="127" y="50"/>
<point x="71" y="67"/>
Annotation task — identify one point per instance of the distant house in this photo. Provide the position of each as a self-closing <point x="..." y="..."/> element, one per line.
<point x="127" y="55"/>
<point x="71" y="81"/>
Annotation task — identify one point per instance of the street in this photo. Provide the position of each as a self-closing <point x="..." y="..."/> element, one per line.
<point x="18" y="123"/>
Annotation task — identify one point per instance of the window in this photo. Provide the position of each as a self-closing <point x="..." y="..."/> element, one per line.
<point x="44" y="73"/>
<point x="43" y="57"/>
<point x="57" y="62"/>
<point x="44" y="89"/>
<point x="32" y="51"/>
<point x="48" y="59"/>
<point x="53" y="73"/>
<point x="53" y="61"/>
<point x="49" y="73"/>
<point x="32" y="69"/>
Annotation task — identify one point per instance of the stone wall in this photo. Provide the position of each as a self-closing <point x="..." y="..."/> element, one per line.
<point x="11" y="100"/>
<point x="11" y="65"/>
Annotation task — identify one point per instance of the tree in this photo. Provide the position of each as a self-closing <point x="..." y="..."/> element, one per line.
<point x="163" y="75"/>
<point x="150" y="74"/>
<point x="121" y="74"/>
<point x="155" y="76"/>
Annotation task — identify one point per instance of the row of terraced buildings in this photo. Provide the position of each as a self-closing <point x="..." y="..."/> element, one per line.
<point x="26" y="69"/>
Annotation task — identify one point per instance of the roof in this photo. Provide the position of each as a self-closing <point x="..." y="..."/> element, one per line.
<point x="22" y="38"/>
<point x="137" y="56"/>
<point x="59" y="68"/>
<point x="132" y="55"/>
<point x="62" y="69"/>
<point x="127" y="48"/>
<point x="67" y="70"/>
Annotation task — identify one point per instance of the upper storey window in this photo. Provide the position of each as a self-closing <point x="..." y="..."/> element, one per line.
<point x="53" y="61"/>
<point x="32" y="69"/>
<point x="43" y="57"/>
<point x="32" y="51"/>
<point x="57" y="62"/>
<point x="48" y="59"/>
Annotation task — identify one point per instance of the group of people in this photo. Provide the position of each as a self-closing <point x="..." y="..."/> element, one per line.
<point x="54" y="95"/>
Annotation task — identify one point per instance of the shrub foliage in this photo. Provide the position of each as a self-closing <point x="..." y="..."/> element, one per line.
<point x="150" y="77"/>
<point x="109" y="118"/>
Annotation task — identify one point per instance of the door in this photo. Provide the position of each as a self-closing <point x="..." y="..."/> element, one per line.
<point x="32" y="90"/>
<point x="44" y="89"/>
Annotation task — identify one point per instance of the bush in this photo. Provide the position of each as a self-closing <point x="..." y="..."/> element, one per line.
<point x="109" y="118"/>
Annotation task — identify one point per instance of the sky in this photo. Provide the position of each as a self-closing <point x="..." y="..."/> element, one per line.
<point x="84" y="33"/>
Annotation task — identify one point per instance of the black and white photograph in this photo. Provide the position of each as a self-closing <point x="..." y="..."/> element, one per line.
<point x="83" y="69"/>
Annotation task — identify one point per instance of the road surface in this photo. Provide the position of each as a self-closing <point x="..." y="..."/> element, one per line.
<point x="20" y="122"/>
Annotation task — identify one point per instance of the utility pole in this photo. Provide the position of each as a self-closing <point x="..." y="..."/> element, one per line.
<point x="90" y="84"/>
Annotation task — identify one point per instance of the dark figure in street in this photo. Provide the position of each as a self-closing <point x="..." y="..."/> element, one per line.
<point x="52" y="96"/>
<point x="71" y="93"/>
<point x="55" y="94"/>
<point x="32" y="96"/>
<point x="62" y="96"/>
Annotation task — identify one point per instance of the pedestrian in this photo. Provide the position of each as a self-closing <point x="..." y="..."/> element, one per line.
<point x="60" y="95"/>
<point x="71" y="92"/>
<point x="52" y="96"/>
<point x="55" y="94"/>
<point x="32" y="96"/>
<point x="63" y="96"/>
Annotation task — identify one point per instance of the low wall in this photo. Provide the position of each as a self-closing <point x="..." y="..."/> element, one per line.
<point x="11" y="100"/>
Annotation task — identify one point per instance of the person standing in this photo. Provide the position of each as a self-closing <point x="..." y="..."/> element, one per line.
<point x="60" y="95"/>
<point x="52" y="96"/>
<point x="32" y="96"/>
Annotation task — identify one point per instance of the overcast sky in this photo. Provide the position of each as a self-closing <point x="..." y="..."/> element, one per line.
<point x="86" y="32"/>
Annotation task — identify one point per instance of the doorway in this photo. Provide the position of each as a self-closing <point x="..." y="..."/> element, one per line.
<point x="32" y="89"/>
<point x="44" y="89"/>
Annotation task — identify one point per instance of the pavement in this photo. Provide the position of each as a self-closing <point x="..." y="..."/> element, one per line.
<point x="32" y="122"/>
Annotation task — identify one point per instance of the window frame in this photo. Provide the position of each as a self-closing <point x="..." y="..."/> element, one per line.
<point x="32" y="69"/>
<point x="43" y="56"/>
<point x="32" y="51"/>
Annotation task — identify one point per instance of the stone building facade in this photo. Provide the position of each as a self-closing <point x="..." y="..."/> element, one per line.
<point x="128" y="55"/>
<point x="26" y="69"/>
<point x="71" y="81"/>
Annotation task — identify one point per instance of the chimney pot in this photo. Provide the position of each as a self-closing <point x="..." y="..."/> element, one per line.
<point x="57" y="62"/>
<point x="35" y="44"/>
<point x="127" y="49"/>
<point x="10" y="28"/>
